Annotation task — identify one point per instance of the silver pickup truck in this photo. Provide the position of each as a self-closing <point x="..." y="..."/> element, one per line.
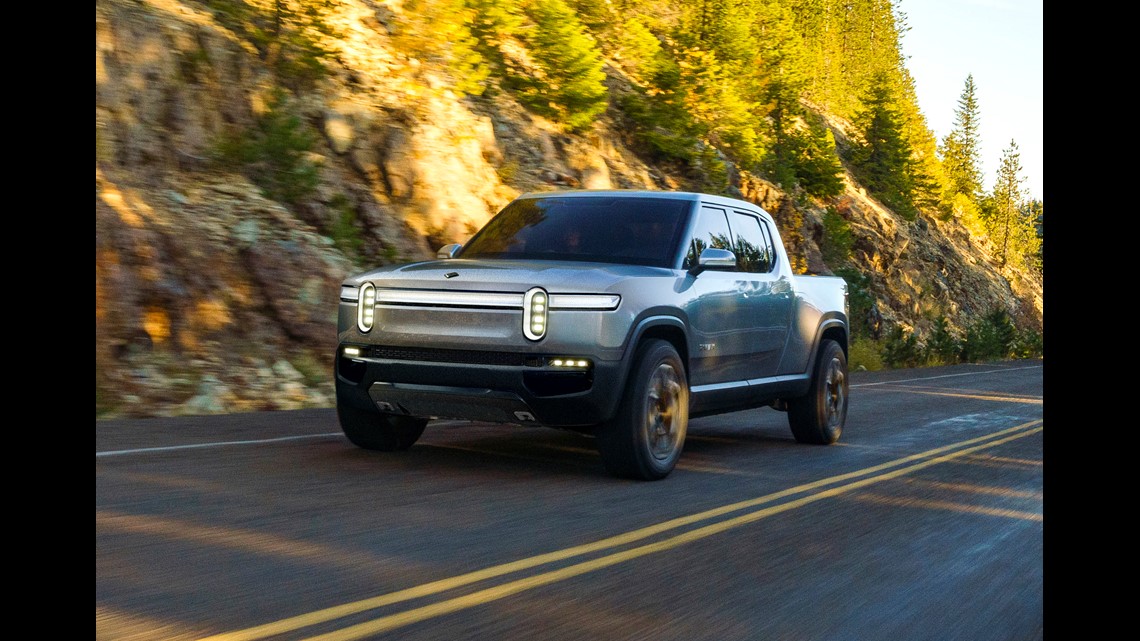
<point x="620" y="314"/>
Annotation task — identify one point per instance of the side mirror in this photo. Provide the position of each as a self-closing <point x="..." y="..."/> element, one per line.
<point x="713" y="259"/>
<point x="448" y="251"/>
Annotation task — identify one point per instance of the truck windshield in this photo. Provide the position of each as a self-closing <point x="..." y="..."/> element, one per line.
<point x="627" y="230"/>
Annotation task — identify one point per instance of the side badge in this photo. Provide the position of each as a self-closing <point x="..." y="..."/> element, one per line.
<point x="451" y="274"/>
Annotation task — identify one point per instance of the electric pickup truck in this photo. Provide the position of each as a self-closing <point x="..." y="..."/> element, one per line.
<point x="620" y="314"/>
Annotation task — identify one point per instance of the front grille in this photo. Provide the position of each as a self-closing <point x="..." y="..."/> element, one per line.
<point x="464" y="356"/>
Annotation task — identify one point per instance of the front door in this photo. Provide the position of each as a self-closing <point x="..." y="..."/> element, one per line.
<point x="766" y="295"/>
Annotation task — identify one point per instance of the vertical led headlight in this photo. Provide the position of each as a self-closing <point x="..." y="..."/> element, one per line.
<point x="536" y="304"/>
<point x="366" y="307"/>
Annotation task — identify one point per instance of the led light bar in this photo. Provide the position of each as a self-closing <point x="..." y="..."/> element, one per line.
<point x="366" y="308"/>
<point x="584" y="301"/>
<point x="535" y="307"/>
<point x="447" y="299"/>
<point x="568" y="362"/>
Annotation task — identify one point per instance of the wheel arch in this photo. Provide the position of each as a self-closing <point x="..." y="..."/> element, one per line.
<point x="836" y="330"/>
<point x="667" y="328"/>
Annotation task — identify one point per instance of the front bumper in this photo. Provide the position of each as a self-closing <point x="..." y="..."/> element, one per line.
<point x="499" y="387"/>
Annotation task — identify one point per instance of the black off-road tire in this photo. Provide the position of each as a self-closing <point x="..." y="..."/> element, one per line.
<point x="377" y="431"/>
<point x="645" y="438"/>
<point x="818" y="417"/>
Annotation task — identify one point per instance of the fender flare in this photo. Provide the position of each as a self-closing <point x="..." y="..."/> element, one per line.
<point x="639" y="330"/>
<point x="829" y="322"/>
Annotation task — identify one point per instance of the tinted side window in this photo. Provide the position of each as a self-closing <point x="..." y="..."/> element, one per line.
<point x="711" y="231"/>
<point x="753" y="246"/>
<point x="771" y="245"/>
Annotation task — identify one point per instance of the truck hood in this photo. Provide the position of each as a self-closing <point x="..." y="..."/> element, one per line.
<point x="505" y="275"/>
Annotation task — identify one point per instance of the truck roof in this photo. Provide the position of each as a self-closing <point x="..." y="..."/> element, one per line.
<point x="643" y="193"/>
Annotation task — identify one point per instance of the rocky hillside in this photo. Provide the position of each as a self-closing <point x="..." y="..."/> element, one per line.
<point x="216" y="294"/>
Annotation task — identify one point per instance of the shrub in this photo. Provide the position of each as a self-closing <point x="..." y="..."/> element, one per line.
<point x="863" y="354"/>
<point x="345" y="233"/>
<point x="314" y="370"/>
<point x="837" y="238"/>
<point x="900" y="348"/>
<point x="274" y="152"/>
<point x="859" y="300"/>
<point x="942" y="348"/>
<point x="989" y="337"/>
<point x="1028" y="344"/>
<point x="507" y="171"/>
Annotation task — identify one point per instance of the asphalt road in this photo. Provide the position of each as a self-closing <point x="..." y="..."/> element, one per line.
<point x="924" y="522"/>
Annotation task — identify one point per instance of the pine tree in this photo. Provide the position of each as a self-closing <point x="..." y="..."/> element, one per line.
<point x="639" y="51"/>
<point x="818" y="169"/>
<point x="1034" y="211"/>
<point x="719" y="26"/>
<point x="901" y="349"/>
<point x="813" y="20"/>
<point x="597" y="15"/>
<point x="778" y="75"/>
<point x="723" y="114"/>
<point x="993" y="336"/>
<point x="942" y="348"/>
<point x="440" y="31"/>
<point x="961" y="149"/>
<point x="571" y="86"/>
<point x="884" y="160"/>
<point x="492" y="22"/>
<point x="926" y="169"/>
<point x="1012" y="230"/>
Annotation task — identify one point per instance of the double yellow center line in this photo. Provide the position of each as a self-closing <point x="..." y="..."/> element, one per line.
<point x="816" y="491"/>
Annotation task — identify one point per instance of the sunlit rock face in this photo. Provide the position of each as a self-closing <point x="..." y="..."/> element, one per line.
<point x="215" y="294"/>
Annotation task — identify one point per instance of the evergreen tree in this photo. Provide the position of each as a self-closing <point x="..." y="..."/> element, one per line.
<point x="813" y="20"/>
<point x="639" y="51"/>
<point x="817" y="165"/>
<point x="961" y="149"/>
<point x="719" y="26"/>
<point x="778" y="76"/>
<point x="275" y="152"/>
<point x="884" y="160"/>
<point x="570" y="86"/>
<point x="1034" y="211"/>
<point x="1011" y="229"/>
<point x="657" y="109"/>
<point x="290" y="36"/>
<point x="942" y="348"/>
<point x="926" y="170"/>
<point x="901" y="349"/>
<point x="595" y="14"/>
<point x="992" y="336"/>
<point x="492" y="23"/>
<point x="846" y="44"/>
<point x="440" y="31"/>
<point x="723" y="114"/>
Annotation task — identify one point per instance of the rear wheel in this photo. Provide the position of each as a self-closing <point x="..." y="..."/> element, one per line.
<point x="375" y="431"/>
<point x="646" y="437"/>
<point x="818" y="417"/>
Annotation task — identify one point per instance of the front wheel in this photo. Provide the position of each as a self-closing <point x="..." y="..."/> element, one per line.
<point x="645" y="439"/>
<point x="818" y="417"/>
<point x="375" y="431"/>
